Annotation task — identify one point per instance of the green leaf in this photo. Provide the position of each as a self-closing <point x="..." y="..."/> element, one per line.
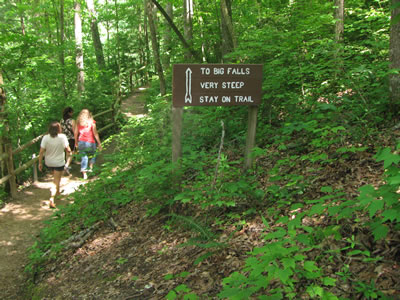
<point x="379" y="231"/>
<point x="184" y="274"/>
<point x="289" y="263"/>
<point x="391" y="214"/>
<point x="191" y="296"/>
<point x="329" y="281"/>
<point x="336" y="129"/>
<point x="279" y="233"/>
<point x="265" y="222"/>
<point x="375" y="206"/>
<point x="182" y="288"/>
<point x="315" y="291"/>
<point x="304" y="239"/>
<point x="316" y="209"/>
<point x="329" y="296"/>
<point x="388" y="157"/>
<point x="283" y="274"/>
<point x="171" y="295"/>
<point x="394" y="180"/>
<point x="327" y="189"/>
<point x="310" y="266"/>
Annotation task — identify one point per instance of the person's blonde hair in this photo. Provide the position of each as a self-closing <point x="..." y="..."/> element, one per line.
<point x="84" y="117"/>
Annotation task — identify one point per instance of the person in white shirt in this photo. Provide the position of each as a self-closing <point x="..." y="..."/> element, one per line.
<point x="53" y="147"/>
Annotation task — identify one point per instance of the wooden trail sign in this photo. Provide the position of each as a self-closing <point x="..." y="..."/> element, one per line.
<point x="215" y="85"/>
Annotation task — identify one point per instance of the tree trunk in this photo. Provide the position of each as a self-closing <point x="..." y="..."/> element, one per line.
<point x="118" y="50"/>
<point x="339" y="16"/>
<point x="339" y="32"/>
<point x="228" y="39"/>
<point x="62" y="54"/>
<point x="188" y="25"/>
<point x="168" y="38"/>
<point x="394" y="79"/>
<point x="2" y="121"/>
<point x="154" y="44"/>
<point x="98" y="48"/>
<point x="22" y="20"/>
<point x="5" y="141"/>
<point x="79" y="48"/>
<point x="108" y="34"/>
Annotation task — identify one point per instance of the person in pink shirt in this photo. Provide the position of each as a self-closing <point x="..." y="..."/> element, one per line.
<point x="86" y="136"/>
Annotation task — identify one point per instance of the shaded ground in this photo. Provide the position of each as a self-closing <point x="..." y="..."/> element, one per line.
<point x="22" y="219"/>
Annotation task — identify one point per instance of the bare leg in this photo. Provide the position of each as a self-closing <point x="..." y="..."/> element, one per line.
<point x="69" y="159"/>
<point x="55" y="188"/>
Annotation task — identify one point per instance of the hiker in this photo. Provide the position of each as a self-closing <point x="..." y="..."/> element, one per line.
<point x="54" y="144"/>
<point x="86" y="136"/>
<point x="68" y="128"/>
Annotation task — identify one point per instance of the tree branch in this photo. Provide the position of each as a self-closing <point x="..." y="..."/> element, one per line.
<point x="176" y="30"/>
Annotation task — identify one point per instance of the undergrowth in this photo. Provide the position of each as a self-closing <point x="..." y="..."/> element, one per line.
<point x="309" y="250"/>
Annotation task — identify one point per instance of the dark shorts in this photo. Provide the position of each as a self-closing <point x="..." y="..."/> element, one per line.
<point x="72" y="144"/>
<point x="55" y="168"/>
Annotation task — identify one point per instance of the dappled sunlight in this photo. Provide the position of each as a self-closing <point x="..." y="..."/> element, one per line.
<point x="21" y="221"/>
<point x="137" y="116"/>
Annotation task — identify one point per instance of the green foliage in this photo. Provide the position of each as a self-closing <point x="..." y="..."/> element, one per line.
<point x="181" y="291"/>
<point x="323" y="103"/>
<point x="284" y="255"/>
<point x="381" y="203"/>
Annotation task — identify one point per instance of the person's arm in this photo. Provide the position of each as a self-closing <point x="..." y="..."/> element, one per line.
<point x="96" y="136"/>
<point x="41" y="153"/>
<point x="76" y="133"/>
<point x="73" y="126"/>
<point x="68" y="149"/>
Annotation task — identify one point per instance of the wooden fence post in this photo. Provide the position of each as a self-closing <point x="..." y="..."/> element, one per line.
<point x="35" y="172"/>
<point x="10" y="167"/>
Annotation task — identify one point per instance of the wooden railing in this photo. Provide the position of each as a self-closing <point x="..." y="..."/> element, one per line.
<point x="11" y="176"/>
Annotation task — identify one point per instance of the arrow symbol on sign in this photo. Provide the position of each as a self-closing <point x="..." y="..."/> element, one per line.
<point x="188" y="95"/>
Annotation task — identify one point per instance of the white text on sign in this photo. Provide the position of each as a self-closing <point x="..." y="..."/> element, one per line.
<point x="221" y="71"/>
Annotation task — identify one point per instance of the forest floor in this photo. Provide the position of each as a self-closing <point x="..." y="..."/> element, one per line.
<point x="141" y="257"/>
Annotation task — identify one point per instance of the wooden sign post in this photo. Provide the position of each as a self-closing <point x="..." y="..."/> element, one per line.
<point x="216" y="85"/>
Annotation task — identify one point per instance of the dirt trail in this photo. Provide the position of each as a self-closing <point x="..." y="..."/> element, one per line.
<point x="22" y="219"/>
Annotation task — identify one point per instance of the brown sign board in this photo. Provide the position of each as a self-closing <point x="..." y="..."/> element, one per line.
<point x="216" y="84"/>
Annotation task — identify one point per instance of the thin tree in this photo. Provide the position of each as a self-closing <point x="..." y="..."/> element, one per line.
<point x="98" y="47"/>
<point x="339" y="16"/>
<point x="5" y="141"/>
<point x="168" y="38"/>
<point x="228" y="37"/>
<point x="394" y="47"/>
<point x="62" y="53"/>
<point x="154" y="43"/>
<point x="339" y="32"/>
<point x="188" y="25"/>
<point x="79" y="48"/>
